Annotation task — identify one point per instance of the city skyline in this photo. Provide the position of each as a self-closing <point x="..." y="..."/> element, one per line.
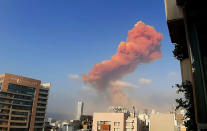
<point x="60" y="41"/>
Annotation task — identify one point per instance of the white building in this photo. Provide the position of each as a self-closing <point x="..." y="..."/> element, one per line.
<point x="144" y="117"/>
<point x="79" y="110"/>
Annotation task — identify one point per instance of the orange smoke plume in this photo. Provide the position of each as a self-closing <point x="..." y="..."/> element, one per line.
<point x="142" y="46"/>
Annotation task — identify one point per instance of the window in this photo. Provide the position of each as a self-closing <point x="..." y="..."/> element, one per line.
<point x="44" y="91"/>
<point x="0" y="85"/>
<point x="17" y="124"/>
<point x="116" y="129"/>
<point x="105" y="122"/>
<point x="22" y="102"/>
<point x="116" y="123"/>
<point x="19" y="118"/>
<point x="21" y="89"/>
<point x="39" y="124"/>
<point x="39" y="119"/>
<point x="99" y="123"/>
<point x="128" y="129"/>
<point x="129" y="123"/>
<point x="99" y="127"/>
<point x="19" y="113"/>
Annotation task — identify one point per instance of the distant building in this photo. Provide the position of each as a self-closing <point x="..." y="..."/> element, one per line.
<point x="73" y="125"/>
<point x="50" y="120"/>
<point x="144" y="117"/>
<point x="86" y="122"/>
<point x="162" y="122"/>
<point x="114" y="122"/>
<point x="23" y="103"/>
<point x="144" y="122"/>
<point x="79" y="110"/>
<point x="180" y="117"/>
<point x="153" y="111"/>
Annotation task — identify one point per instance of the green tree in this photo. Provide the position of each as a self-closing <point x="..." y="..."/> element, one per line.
<point x="186" y="103"/>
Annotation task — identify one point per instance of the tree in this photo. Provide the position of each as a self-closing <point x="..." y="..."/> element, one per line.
<point x="181" y="51"/>
<point x="186" y="103"/>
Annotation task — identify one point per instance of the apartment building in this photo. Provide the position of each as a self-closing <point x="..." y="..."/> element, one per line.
<point x="114" y="122"/>
<point x="23" y="103"/>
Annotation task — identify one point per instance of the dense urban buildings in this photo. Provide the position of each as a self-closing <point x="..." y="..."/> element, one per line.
<point x="81" y="123"/>
<point x="86" y="122"/>
<point x="119" y="120"/>
<point x="23" y="103"/>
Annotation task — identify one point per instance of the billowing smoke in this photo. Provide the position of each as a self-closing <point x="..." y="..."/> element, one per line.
<point x="142" y="46"/>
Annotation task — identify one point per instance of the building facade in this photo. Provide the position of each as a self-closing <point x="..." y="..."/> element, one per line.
<point x="163" y="122"/>
<point x="187" y="28"/>
<point x="114" y="122"/>
<point x="23" y="103"/>
<point x="79" y="110"/>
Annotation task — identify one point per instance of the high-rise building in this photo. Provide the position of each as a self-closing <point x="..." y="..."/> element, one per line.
<point x="79" y="110"/>
<point x="23" y="103"/>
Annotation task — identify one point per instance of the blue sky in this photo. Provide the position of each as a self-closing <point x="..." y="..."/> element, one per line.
<point x="50" y="39"/>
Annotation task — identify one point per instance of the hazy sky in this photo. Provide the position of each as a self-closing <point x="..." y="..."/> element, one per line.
<point x="59" y="40"/>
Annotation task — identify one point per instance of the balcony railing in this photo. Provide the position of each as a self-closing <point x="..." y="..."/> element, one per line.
<point x="40" y="121"/>
<point x="40" y="111"/>
<point x="44" y="93"/>
<point x="38" y="127"/>
<point x="42" y="102"/>
<point x="6" y="97"/>
<point x="41" y="97"/>
<point x="4" y="114"/>
<point x="16" y="93"/>
<point x="5" y="102"/>
<point x="3" y="119"/>
<point x="39" y="116"/>
<point x="41" y="106"/>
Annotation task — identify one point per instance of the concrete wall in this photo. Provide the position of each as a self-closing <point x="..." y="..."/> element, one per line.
<point x="162" y="122"/>
<point x="185" y="66"/>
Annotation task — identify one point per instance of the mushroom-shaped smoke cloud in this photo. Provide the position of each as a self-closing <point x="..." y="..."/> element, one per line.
<point x="142" y="46"/>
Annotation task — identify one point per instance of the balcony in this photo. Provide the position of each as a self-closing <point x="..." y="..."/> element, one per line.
<point x="40" y="111"/>
<point x="41" y="107"/>
<point x="3" y="119"/>
<point x="39" y="116"/>
<point x="4" y="108"/>
<point x="38" y="127"/>
<point x="23" y="99"/>
<point x="44" y="93"/>
<point x="4" y="114"/>
<point x="22" y="105"/>
<point x="5" y="102"/>
<point x="6" y="97"/>
<point x="39" y="121"/>
<point x="41" y="97"/>
<point x="19" y="121"/>
<point x="4" y="125"/>
<point x="42" y="102"/>
<point x="15" y="93"/>
<point x="19" y="116"/>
